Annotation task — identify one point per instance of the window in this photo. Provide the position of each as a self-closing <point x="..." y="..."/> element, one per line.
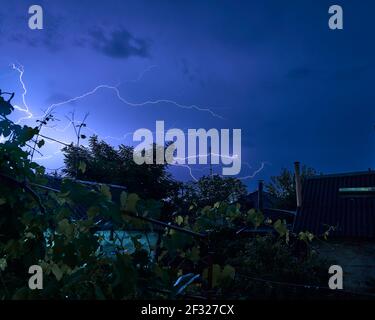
<point x="357" y="191"/>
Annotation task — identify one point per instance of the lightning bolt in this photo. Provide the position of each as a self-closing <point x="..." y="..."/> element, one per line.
<point x="115" y="89"/>
<point x="132" y="104"/>
<point x="187" y="167"/>
<point x="41" y="158"/>
<point x="141" y="75"/>
<point x="25" y="108"/>
<point x="256" y="172"/>
<point x="250" y="176"/>
<point x="29" y="115"/>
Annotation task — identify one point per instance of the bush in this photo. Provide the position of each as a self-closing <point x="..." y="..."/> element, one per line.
<point x="194" y="256"/>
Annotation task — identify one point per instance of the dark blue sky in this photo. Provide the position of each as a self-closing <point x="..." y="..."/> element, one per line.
<point x="298" y="90"/>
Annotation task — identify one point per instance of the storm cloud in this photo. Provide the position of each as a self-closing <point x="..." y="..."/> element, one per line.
<point x="119" y="43"/>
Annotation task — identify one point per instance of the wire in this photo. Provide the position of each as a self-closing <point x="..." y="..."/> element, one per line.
<point x="52" y="139"/>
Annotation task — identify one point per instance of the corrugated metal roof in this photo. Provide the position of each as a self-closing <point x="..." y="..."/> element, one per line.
<point x="324" y="206"/>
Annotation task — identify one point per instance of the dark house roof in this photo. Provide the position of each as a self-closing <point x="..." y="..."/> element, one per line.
<point x="56" y="181"/>
<point x="251" y="200"/>
<point x="343" y="201"/>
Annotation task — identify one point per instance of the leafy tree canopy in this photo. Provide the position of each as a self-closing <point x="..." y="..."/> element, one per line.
<point x="104" y="163"/>
<point x="211" y="189"/>
<point x="283" y="187"/>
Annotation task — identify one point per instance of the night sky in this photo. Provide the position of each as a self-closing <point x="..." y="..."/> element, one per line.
<point x="298" y="90"/>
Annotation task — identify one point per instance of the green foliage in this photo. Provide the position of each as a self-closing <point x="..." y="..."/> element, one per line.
<point x="262" y="259"/>
<point x="102" y="162"/>
<point x="221" y="277"/>
<point x="281" y="229"/>
<point x="41" y="227"/>
<point x="255" y="217"/>
<point x="82" y="166"/>
<point x="306" y="236"/>
<point x="211" y="189"/>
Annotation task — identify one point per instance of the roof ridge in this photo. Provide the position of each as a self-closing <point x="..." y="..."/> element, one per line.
<point x="333" y="175"/>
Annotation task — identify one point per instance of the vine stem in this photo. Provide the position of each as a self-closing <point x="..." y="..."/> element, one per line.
<point x="28" y="189"/>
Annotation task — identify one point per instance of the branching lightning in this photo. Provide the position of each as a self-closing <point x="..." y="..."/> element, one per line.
<point x="252" y="176"/>
<point x="25" y="109"/>
<point x="29" y="115"/>
<point x="140" y="76"/>
<point x="247" y="177"/>
<point x="132" y="104"/>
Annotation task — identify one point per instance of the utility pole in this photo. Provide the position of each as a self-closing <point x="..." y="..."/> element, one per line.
<point x="211" y="171"/>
